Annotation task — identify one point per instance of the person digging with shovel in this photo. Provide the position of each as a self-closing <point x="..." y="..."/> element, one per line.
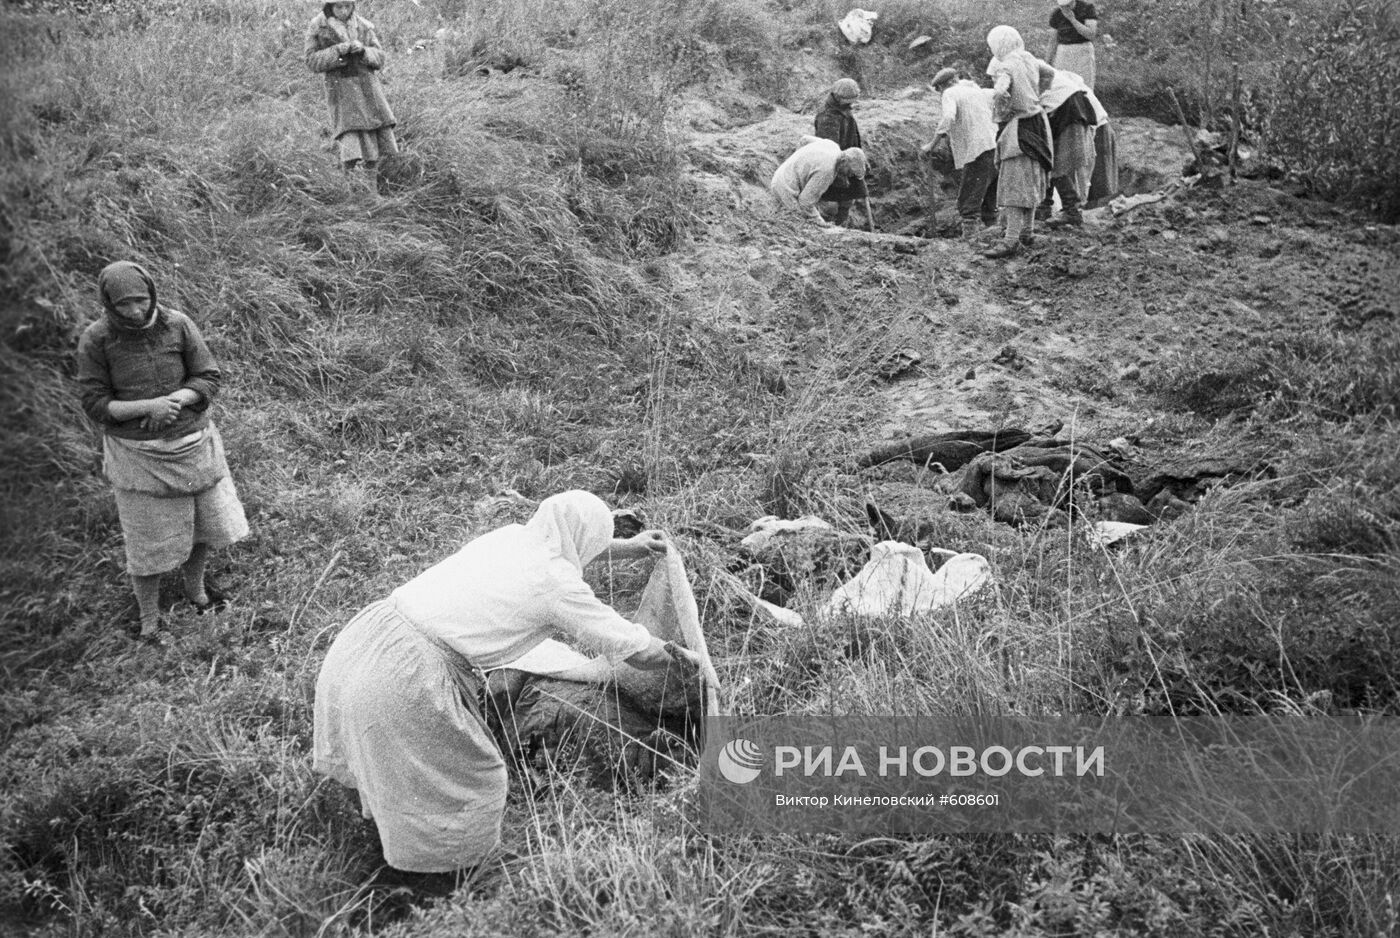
<point x="835" y="122"/>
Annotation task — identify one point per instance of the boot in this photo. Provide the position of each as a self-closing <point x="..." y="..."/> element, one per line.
<point x="1043" y="210"/>
<point x="1027" y="239"/>
<point x="971" y="227"/>
<point x="1002" y="249"/>
<point x="1070" y="217"/>
<point x="372" y="180"/>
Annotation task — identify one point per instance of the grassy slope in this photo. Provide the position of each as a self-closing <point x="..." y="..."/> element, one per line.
<point x="505" y="317"/>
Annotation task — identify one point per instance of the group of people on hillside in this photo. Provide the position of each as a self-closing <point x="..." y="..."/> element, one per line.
<point x="148" y="378"/>
<point x="1036" y="132"/>
<point x="396" y="712"/>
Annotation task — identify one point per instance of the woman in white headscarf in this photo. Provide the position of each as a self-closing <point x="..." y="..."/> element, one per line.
<point x="1024" y="154"/>
<point x="397" y="715"/>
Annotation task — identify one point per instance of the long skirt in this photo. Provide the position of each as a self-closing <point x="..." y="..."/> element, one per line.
<point x="172" y="495"/>
<point x="367" y="145"/>
<point x="160" y="532"/>
<point x="1079" y="58"/>
<point x="397" y="719"/>
<point x="1021" y="182"/>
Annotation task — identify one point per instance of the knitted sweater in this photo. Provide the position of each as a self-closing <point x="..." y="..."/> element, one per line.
<point x="121" y="363"/>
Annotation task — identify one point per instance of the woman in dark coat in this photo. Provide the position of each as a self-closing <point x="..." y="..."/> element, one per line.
<point x="836" y="122"/>
<point x="344" y="47"/>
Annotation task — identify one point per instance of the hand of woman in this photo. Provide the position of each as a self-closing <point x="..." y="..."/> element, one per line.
<point x="651" y="541"/>
<point x="161" y="412"/>
<point x="687" y="659"/>
<point x="654" y="657"/>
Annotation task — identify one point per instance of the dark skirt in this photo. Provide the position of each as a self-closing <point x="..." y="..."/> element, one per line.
<point x="851" y="190"/>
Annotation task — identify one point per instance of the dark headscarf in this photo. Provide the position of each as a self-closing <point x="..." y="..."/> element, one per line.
<point x="121" y="281"/>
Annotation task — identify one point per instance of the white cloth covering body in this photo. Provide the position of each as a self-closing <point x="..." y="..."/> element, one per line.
<point x="897" y="581"/>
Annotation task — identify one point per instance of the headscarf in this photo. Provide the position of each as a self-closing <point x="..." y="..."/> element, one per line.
<point x="1010" y="58"/>
<point x="576" y="526"/>
<point x="1003" y="41"/>
<point x="345" y="30"/>
<point x="845" y="90"/>
<point x="124" y="280"/>
<point x="855" y="162"/>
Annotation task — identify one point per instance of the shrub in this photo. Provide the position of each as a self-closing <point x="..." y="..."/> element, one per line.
<point x="1330" y="112"/>
<point x="1308" y="80"/>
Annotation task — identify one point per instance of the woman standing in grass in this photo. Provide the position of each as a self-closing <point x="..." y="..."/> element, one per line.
<point x="343" y="46"/>
<point x="397" y="715"/>
<point x="148" y="379"/>
<point x="1024" y="156"/>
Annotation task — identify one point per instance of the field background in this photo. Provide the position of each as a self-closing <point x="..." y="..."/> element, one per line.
<point x="556" y="293"/>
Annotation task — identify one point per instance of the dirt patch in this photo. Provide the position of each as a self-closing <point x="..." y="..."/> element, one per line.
<point x="1065" y="332"/>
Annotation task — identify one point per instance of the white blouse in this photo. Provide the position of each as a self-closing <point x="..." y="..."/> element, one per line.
<point x="507" y="591"/>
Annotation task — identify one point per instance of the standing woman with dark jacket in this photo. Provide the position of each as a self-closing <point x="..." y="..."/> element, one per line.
<point x="148" y="379"/>
<point x="1074" y="25"/>
<point x="836" y="122"/>
<point x="344" y="47"/>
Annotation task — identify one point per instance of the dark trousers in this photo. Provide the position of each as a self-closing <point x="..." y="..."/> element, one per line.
<point x="1069" y="198"/>
<point x="843" y="193"/>
<point x="977" y="190"/>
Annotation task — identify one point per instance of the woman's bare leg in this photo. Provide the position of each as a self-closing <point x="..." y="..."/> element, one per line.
<point x="147" y="590"/>
<point x="193" y="574"/>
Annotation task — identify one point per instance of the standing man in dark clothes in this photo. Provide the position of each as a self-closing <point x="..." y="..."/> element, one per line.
<point x="836" y="122"/>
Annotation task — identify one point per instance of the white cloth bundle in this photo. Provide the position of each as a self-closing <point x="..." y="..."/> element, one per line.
<point x="897" y="580"/>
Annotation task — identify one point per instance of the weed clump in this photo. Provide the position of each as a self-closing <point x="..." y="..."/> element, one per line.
<point x="1338" y="377"/>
